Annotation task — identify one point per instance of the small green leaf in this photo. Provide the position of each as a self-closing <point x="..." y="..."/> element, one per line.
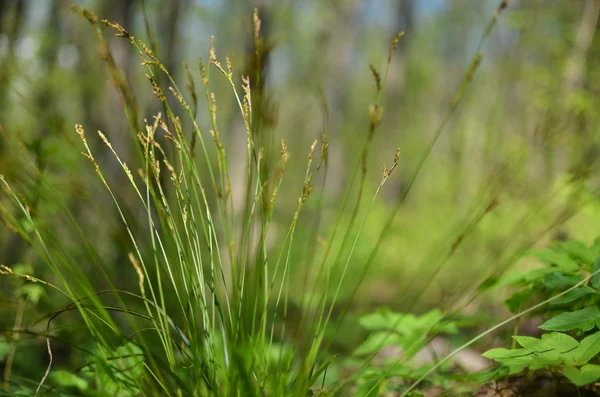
<point x="555" y="341"/>
<point x="560" y="280"/>
<point x="377" y="341"/>
<point x="574" y="295"/>
<point x="522" y="358"/>
<point x="583" y="319"/>
<point x="32" y="291"/>
<point x="381" y="319"/>
<point x="518" y="299"/>
<point x="577" y="250"/>
<point x="520" y="278"/>
<point x="508" y="357"/>
<point x="556" y="258"/>
<point x="67" y="380"/>
<point x="585" y="375"/>
<point x="588" y="348"/>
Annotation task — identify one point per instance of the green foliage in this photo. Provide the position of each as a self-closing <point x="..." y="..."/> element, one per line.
<point x="405" y="334"/>
<point x="68" y="380"/>
<point x="405" y="330"/>
<point x="574" y="313"/>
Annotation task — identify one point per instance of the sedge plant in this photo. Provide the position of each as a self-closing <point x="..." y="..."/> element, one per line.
<point x="209" y="314"/>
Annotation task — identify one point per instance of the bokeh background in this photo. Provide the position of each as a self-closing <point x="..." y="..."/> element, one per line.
<point x="525" y="138"/>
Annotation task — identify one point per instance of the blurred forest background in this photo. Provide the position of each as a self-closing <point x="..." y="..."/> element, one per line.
<point x="516" y="167"/>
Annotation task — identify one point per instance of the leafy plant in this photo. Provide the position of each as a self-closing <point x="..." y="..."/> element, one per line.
<point x="571" y="342"/>
<point x="405" y="330"/>
<point x="404" y="335"/>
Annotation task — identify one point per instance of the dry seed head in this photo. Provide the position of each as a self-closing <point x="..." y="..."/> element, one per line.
<point x="180" y="181"/>
<point x="284" y="151"/>
<point x="29" y="278"/>
<point x="312" y="149"/>
<point x="246" y="84"/>
<point x="5" y="270"/>
<point x="143" y="140"/>
<point x="229" y="68"/>
<point x="260" y="154"/>
<point x="105" y="140"/>
<point x="307" y="189"/>
<point x="156" y="168"/>
<point x="150" y="54"/>
<point x="121" y="32"/>
<point x="138" y="270"/>
<point x="324" y="151"/>
<point x="172" y="139"/>
<point x="169" y="166"/>
<point x="376" y="75"/>
<point x="213" y="107"/>
<point x="387" y="172"/>
<point x="324" y="146"/>
<point x="203" y="74"/>
<point x="247" y="93"/>
<point x="185" y="215"/>
<point x="246" y="111"/>
<point x="128" y="172"/>
<point x="212" y="57"/>
<point x="156" y="89"/>
<point x="394" y="45"/>
<point x="256" y="22"/>
<point x="178" y="127"/>
<point x="149" y="132"/>
<point x="159" y="122"/>
<point x="80" y="132"/>
<point x="273" y="197"/>
<point x="171" y="170"/>
<point x="180" y="98"/>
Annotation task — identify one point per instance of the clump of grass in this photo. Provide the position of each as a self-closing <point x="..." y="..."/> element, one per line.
<point x="210" y="316"/>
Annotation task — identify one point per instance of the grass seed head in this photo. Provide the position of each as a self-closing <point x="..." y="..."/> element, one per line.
<point x="5" y="270"/>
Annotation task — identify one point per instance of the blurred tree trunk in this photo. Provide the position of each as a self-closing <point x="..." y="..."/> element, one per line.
<point x="574" y="82"/>
<point x="11" y="31"/>
<point x="575" y="65"/>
